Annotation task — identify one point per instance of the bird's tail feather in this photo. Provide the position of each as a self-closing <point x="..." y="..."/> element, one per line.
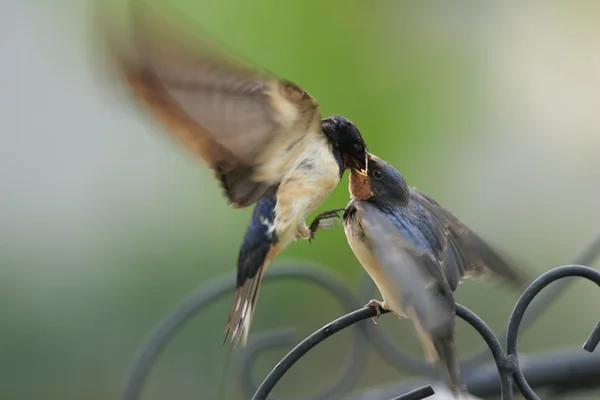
<point x="448" y="360"/>
<point x="244" y="303"/>
<point x="240" y="320"/>
<point x="439" y="347"/>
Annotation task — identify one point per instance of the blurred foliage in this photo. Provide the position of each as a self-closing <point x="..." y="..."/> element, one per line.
<point x="114" y="224"/>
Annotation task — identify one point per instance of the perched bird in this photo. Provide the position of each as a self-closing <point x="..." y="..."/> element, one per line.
<point x="262" y="136"/>
<point x="416" y="252"/>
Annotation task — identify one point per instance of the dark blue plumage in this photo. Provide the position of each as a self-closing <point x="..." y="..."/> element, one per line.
<point x="424" y="231"/>
<point x="259" y="238"/>
<point x="416" y="226"/>
<point x="257" y="247"/>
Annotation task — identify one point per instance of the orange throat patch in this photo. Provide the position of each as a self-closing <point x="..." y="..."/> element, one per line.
<point x="360" y="187"/>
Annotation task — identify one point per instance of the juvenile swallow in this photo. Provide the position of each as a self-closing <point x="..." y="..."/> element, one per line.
<point x="262" y="136"/>
<point x="416" y="252"/>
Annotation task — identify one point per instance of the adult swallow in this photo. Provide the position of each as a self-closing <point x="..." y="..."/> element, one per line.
<point x="417" y="252"/>
<point x="262" y="136"/>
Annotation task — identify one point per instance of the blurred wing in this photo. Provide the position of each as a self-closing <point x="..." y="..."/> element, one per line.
<point x="409" y="270"/>
<point x="244" y="122"/>
<point x="467" y="254"/>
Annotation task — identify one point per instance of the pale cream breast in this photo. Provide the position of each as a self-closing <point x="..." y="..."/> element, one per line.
<point x="318" y="169"/>
<point x="312" y="178"/>
<point x="360" y="247"/>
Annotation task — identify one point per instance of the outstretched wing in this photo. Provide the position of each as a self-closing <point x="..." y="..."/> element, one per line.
<point x="247" y="124"/>
<point x="466" y="253"/>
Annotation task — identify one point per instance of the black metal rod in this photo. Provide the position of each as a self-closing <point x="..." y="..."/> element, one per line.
<point x="368" y="312"/>
<point x="592" y="340"/>
<point x="207" y="294"/>
<point x="587" y="256"/>
<point x="519" y="310"/>
<point x="417" y="394"/>
<point x="166" y="329"/>
<point x="506" y="365"/>
<point x="351" y="368"/>
<point x="214" y="289"/>
<point x="502" y="363"/>
<point x="307" y="344"/>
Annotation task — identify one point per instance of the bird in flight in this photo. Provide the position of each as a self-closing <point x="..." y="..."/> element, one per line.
<point x="263" y="137"/>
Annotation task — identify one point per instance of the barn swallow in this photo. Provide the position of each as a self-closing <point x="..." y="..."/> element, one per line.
<point x="263" y="137"/>
<point x="416" y="252"/>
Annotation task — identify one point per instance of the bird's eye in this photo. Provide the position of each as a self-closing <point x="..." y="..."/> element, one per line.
<point x="357" y="147"/>
<point x="377" y="174"/>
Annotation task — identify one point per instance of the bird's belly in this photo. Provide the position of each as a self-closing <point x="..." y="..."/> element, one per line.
<point x="389" y="292"/>
<point x="306" y="187"/>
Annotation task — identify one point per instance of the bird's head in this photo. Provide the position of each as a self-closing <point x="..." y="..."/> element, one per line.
<point x="346" y="137"/>
<point x="382" y="182"/>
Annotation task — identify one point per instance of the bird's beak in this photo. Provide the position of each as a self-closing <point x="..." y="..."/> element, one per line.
<point x="360" y="171"/>
<point x="354" y="164"/>
<point x="360" y="168"/>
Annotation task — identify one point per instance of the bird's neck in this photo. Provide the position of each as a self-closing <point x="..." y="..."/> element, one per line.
<point x="359" y="186"/>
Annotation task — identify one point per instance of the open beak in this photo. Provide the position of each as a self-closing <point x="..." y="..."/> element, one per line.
<point x="355" y="164"/>
<point x="360" y="171"/>
<point x="359" y="168"/>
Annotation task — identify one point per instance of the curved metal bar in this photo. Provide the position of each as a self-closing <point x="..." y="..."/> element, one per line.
<point x="257" y="344"/>
<point x="164" y="331"/>
<point x="503" y="363"/>
<point x="353" y="367"/>
<point x="307" y="344"/>
<point x="519" y="311"/>
<point x="210" y="292"/>
<point x="355" y="360"/>
<point x="215" y="288"/>
<point x="586" y="257"/>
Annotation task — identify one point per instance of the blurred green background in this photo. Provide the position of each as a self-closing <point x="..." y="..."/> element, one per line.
<point x="105" y="224"/>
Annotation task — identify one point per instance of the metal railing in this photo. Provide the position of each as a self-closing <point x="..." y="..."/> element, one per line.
<point x="560" y="371"/>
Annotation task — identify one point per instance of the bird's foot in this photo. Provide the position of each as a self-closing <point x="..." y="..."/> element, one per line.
<point x="303" y="233"/>
<point x="379" y="307"/>
<point x="317" y="222"/>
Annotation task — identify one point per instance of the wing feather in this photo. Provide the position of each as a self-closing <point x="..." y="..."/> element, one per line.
<point x="240" y="119"/>
<point x="466" y="253"/>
